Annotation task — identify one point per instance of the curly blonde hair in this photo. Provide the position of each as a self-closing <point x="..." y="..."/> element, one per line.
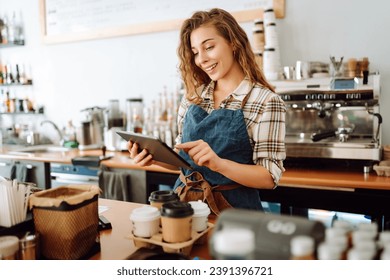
<point x="228" y="28"/>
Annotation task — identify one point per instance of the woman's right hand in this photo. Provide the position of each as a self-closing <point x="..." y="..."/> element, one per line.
<point x="142" y="158"/>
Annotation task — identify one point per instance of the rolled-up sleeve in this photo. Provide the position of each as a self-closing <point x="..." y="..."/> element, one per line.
<point x="269" y="137"/>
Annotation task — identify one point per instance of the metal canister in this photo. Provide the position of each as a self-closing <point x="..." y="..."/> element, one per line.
<point x="28" y="247"/>
<point x="9" y="246"/>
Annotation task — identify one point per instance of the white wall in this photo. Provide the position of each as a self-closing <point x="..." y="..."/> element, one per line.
<point x="71" y="76"/>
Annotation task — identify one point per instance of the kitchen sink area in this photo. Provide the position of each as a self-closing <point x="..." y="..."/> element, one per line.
<point x="40" y="149"/>
<point x="39" y="152"/>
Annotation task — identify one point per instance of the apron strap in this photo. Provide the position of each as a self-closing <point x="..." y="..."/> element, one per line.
<point x="201" y="184"/>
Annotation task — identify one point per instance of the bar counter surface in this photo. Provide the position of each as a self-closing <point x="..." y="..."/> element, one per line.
<point x="115" y="243"/>
<point x="294" y="177"/>
<point x="338" y="189"/>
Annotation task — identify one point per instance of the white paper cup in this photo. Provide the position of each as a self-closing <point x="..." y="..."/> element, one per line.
<point x="146" y="221"/>
<point x="200" y="217"/>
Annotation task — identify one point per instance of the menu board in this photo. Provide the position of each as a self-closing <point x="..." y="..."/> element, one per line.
<point x="72" y="20"/>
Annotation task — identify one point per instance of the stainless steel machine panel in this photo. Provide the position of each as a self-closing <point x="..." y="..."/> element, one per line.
<point x="335" y="124"/>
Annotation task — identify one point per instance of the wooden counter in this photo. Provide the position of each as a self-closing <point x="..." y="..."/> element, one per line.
<point x="336" y="189"/>
<point x="115" y="244"/>
<point x="333" y="179"/>
<point x="118" y="160"/>
<point x="294" y="177"/>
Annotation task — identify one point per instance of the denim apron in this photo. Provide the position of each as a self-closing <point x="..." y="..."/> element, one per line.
<point x="225" y="131"/>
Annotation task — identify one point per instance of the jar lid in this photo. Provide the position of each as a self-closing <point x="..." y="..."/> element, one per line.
<point x="163" y="196"/>
<point x="9" y="245"/>
<point x="343" y="224"/>
<point x="145" y="214"/>
<point x="360" y="254"/>
<point x="176" y="209"/>
<point x="234" y="241"/>
<point x="359" y="235"/>
<point x="302" y="245"/>
<point x="201" y="209"/>
<point x="384" y="237"/>
<point x="333" y="232"/>
<point x="328" y="251"/>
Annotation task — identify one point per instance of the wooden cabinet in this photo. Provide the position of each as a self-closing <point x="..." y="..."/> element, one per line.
<point x="33" y="171"/>
<point x="142" y="182"/>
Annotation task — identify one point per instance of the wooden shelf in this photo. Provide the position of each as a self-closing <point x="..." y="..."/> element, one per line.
<point x="13" y="44"/>
<point x="29" y="83"/>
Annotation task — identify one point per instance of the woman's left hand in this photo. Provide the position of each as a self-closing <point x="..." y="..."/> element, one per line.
<point x="201" y="153"/>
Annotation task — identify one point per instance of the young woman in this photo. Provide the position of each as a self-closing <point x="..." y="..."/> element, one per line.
<point x="231" y="124"/>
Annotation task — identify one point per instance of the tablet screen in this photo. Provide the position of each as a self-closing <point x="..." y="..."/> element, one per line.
<point x="157" y="148"/>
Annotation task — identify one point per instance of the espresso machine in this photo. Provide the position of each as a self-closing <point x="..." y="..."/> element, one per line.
<point x="327" y="123"/>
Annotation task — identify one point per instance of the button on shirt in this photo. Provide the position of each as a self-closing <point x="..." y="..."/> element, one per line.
<point x="264" y="114"/>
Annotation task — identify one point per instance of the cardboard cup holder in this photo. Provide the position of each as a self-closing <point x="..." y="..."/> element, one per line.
<point x="181" y="247"/>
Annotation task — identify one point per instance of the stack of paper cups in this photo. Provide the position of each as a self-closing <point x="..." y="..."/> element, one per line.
<point x="271" y="55"/>
<point x="258" y="39"/>
<point x="269" y="15"/>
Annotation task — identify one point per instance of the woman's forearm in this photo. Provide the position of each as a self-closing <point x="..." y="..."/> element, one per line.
<point x="253" y="176"/>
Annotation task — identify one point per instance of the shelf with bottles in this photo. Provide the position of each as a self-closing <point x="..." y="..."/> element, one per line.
<point x="13" y="103"/>
<point x="11" y="30"/>
<point x="27" y="83"/>
<point x="14" y="75"/>
<point x="12" y="44"/>
<point x="39" y="112"/>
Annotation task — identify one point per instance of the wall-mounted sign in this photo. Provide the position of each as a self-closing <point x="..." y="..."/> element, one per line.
<point x="73" y="20"/>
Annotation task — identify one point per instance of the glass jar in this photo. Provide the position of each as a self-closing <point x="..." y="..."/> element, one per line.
<point x="134" y="114"/>
<point x="115" y="118"/>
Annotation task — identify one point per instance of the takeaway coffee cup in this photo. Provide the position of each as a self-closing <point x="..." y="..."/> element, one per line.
<point x="176" y="221"/>
<point x="9" y="246"/>
<point x="146" y="221"/>
<point x="200" y="217"/>
<point x="158" y="198"/>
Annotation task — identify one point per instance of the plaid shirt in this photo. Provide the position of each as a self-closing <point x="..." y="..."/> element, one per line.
<point x="264" y="114"/>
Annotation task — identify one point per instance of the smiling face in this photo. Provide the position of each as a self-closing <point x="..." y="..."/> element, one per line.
<point x="213" y="54"/>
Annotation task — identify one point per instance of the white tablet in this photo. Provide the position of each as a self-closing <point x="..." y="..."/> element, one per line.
<point x="157" y="148"/>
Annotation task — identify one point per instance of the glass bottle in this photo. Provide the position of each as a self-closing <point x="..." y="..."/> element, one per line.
<point x="302" y="247"/>
<point x="4" y="30"/>
<point x="360" y="254"/>
<point x="3" y="102"/>
<point x="328" y="251"/>
<point x="115" y="118"/>
<point x="384" y="238"/>
<point x="385" y="254"/>
<point x="372" y="228"/>
<point x="12" y="30"/>
<point x="134" y="114"/>
<point x="234" y="244"/>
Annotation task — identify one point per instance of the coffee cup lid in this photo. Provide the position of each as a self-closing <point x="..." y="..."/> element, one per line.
<point x="144" y="214"/>
<point x="163" y="196"/>
<point x="9" y="245"/>
<point x="200" y="208"/>
<point x="176" y="209"/>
